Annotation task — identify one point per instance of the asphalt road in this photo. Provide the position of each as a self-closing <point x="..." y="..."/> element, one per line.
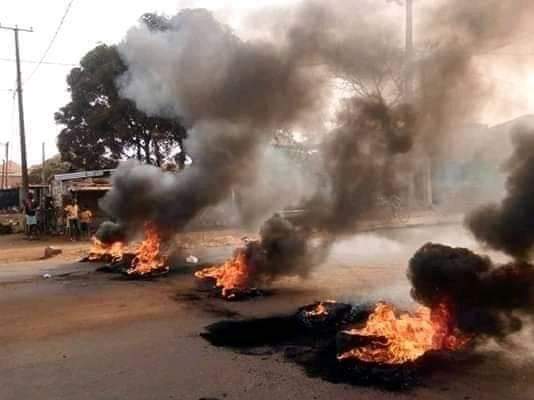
<point x="83" y="335"/>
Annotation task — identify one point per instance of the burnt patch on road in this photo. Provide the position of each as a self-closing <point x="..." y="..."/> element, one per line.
<point x="313" y="341"/>
<point x="205" y="303"/>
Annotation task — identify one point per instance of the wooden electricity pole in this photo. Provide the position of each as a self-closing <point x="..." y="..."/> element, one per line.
<point x="24" y="164"/>
<point x="3" y="172"/>
<point x="43" y="178"/>
<point x="6" y="168"/>
<point x="409" y="97"/>
<point x="408" y="80"/>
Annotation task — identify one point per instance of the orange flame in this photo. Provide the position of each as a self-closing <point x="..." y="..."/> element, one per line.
<point x="148" y="257"/>
<point x="232" y="276"/>
<point x="399" y="339"/>
<point x="100" y="251"/>
<point x="320" y="309"/>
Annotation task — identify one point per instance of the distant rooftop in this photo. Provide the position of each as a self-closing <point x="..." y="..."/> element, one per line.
<point x="83" y="174"/>
<point x="527" y="119"/>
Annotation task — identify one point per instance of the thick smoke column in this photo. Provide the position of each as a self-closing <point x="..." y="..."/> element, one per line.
<point x="365" y="157"/>
<point x="145" y="193"/>
<point x="486" y="299"/>
<point x="282" y="250"/>
<point x="359" y="165"/>
<point x="509" y="226"/>
<point x="110" y="232"/>
<point x="361" y="162"/>
<point x="370" y="153"/>
<point x="232" y="94"/>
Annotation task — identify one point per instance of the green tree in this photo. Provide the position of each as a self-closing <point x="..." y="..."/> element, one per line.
<point x="51" y="167"/>
<point x="102" y="128"/>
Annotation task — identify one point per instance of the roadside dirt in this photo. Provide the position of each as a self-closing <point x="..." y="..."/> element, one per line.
<point x="17" y="248"/>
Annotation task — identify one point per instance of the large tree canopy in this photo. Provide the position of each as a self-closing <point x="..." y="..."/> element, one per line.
<point x="102" y="128"/>
<point x="51" y="167"/>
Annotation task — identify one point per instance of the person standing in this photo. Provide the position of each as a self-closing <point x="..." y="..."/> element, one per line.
<point x="86" y="218"/>
<point x="50" y="217"/>
<point x="73" y="222"/>
<point x="30" y="212"/>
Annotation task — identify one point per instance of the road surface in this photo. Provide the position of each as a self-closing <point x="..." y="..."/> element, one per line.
<point x="83" y="335"/>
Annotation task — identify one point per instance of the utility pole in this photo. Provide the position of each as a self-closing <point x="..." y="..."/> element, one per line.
<point x="408" y="80"/>
<point x="3" y="171"/>
<point x="6" y="167"/>
<point x="22" y="131"/>
<point x="407" y="86"/>
<point x="43" y="166"/>
<point x="426" y="172"/>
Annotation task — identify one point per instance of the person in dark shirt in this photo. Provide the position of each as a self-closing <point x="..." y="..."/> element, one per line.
<point x="30" y="211"/>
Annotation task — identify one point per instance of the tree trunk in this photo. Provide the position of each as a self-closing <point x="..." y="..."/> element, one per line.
<point x="147" y="150"/>
<point x="157" y="153"/>
<point x="138" y="145"/>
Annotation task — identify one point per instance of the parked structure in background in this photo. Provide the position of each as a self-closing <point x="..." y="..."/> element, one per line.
<point x="87" y="187"/>
<point x="469" y="170"/>
<point x="11" y="175"/>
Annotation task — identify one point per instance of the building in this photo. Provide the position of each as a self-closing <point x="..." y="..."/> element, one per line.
<point x="469" y="171"/>
<point x="14" y="175"/>
<point x="87" y="187"/>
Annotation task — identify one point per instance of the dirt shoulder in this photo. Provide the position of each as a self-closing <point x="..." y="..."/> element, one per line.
<point x="17" y="248"/>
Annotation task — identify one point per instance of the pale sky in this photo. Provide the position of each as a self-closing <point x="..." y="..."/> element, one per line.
<point x="91" y="22"/>
<point x="87" y="24"/>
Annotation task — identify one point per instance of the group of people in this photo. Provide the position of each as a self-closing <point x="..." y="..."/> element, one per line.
<point x="77" y="222"/>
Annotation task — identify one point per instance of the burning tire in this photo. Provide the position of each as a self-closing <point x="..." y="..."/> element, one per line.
<point x="318" y="336"/>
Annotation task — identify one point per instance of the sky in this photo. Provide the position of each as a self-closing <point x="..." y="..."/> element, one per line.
<point x="89" y="23"/>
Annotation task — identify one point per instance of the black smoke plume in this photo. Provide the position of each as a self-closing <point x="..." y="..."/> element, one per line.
<point x="369" y="155"/>
<point x="283" y="250"/>
<point x="233" y="94"/>
<point x="110" y="232"/>
<point x="359" y="165"/>
<point x="509" y="226"/>
<point x="362" y="161"/>
<point x="486" y="299"/>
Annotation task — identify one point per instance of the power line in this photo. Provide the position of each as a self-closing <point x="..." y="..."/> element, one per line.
<point x="67" y="9"/>
<point x="42" y="62"/>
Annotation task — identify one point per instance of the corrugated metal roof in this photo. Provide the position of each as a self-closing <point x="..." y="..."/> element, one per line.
<point x="99" y="188"/>
<point x="82" y="174"/>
